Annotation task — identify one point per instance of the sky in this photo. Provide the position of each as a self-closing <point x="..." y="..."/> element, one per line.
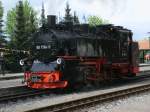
<point x="132" y="14"/>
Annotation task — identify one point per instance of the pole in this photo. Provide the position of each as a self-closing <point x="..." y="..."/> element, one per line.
<point x="149" y="42"/>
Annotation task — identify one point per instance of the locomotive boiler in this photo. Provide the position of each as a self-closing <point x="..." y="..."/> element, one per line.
<point x="65" y="55"/>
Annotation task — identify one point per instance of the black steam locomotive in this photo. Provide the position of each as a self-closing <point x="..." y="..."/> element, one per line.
<point x="65" y="54"/>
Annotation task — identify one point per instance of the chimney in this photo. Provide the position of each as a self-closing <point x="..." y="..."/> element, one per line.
<point x="51" y="19"/>
<point x="85" y="28"/>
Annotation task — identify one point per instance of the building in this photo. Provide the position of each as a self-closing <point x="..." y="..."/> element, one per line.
<point x="144" y="44"/>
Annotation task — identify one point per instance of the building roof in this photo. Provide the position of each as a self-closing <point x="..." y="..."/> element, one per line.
<point x="144" y="44"/>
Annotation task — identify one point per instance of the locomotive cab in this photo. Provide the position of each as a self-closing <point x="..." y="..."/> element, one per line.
<point x="45" y="75"/>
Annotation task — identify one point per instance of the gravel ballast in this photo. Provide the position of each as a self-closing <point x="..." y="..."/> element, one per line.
<point x="137" y="103"/>
<point x="31" y="103"/>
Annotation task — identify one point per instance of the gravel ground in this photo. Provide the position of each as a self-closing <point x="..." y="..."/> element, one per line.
<point x="137" y="103"/>
<point x="36" y="102"/>
<point x="30" y="103"/>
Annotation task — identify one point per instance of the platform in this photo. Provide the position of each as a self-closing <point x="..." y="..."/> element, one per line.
<point x="11" y="76"/>
<point x="144" y="64"/>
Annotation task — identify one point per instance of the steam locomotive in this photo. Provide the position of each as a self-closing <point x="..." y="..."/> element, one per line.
<point x="65" y="55"/>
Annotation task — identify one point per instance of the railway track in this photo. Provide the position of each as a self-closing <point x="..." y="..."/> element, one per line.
<point x="31" y="93"/>
<point x="92" y="100"/>
<point x="22" y="95"/>
<point x="67" y="106"/>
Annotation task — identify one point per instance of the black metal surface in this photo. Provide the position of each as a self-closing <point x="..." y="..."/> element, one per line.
<point x="100" y="41"/>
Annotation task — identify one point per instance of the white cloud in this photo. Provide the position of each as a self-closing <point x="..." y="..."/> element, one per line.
<point x="53" y="7"/>
<point x="133" y="14"/>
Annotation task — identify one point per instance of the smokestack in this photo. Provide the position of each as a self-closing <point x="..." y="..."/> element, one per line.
<point x="51" y="19"/>
<point x="85" y="28"/>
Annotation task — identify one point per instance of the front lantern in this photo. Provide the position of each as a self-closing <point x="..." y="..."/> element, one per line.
<point x="59" y="61"/>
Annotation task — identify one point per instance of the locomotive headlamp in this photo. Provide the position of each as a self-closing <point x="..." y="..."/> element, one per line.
<point x="21" y="62"/>
<point x="59" y="61"/>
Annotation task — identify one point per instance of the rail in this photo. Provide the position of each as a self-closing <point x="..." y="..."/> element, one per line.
<point x="87" y="101"/>
<point x="26" y="94"/>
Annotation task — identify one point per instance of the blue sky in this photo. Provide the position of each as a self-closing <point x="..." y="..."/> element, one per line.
<point x="132" y="14"/>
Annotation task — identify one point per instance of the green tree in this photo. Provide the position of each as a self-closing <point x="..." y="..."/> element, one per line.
<point x="43" y="19"/>
<point x="2" y="38"/>
<point x="33" y="22"/>
<point x="68" y="17"/>
<point x="29" y="23"/>
<point x="21" y="23"/>
<point x="10" y="23"/>
<point x="75" y="19"/>
<point x="30" y="19"/>
<point x="1" y="17"/>
<point x="16" y="25"/>
<point x="19" y="33"/>
<point x="95" y="20"/>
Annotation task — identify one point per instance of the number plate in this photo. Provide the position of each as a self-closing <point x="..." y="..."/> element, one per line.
<point x="35" y="78"/>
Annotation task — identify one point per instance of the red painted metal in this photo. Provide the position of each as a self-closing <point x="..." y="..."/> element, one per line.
<point x="134" y="70"/>
<point x="47" y="80"/>
<point x="53" y="79"/>
<point x="123" y="68"/>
